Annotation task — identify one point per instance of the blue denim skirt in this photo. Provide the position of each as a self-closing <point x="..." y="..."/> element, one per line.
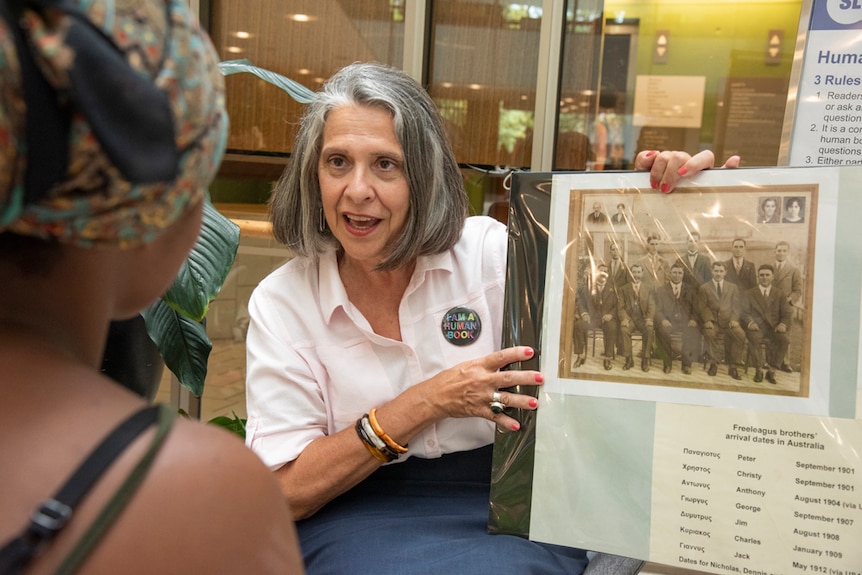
<point x="424" y="516"/>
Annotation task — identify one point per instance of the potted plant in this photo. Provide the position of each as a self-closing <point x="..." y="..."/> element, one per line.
<point x="175" y="322"/>
<point x="171" y="332"/>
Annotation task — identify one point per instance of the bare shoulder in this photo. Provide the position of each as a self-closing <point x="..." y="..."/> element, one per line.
<point x="208" y="505"/>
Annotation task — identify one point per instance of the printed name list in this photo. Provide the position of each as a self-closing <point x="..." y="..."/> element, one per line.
<point x="759" y="494"/>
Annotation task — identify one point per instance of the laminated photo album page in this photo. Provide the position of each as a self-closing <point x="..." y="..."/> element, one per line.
<point x="701" y="405"/>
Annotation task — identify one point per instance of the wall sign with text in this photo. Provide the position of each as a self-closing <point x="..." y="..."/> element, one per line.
<point x="828" y="123"/>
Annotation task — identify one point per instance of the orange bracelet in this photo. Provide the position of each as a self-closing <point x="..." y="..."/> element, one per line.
<point x="372" y="418"/>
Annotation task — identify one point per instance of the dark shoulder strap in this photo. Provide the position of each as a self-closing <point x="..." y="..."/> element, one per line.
<point x="54" y="513"/>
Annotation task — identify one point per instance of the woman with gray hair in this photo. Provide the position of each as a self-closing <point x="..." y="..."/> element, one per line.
<point x="380" y="342"/>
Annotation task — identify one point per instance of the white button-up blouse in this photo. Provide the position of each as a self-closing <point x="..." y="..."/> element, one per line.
<point x="315" y="366"/>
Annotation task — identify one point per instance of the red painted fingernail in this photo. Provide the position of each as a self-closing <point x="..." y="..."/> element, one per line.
<point x="529" y="352"/>
<point x="664" y="188"/>
<point x="516" y="426"/>
<point x="650" y="153"/>
<point x="653" y="184"/>
<point x="682" y="171"/>
<point x="540" y="378"/>
<point x="533" y="402"/>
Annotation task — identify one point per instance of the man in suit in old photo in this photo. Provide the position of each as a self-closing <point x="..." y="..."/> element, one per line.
<point x="740" y="271"/>
<point x="656" y="269"/>
<point x="580" y="325"/>
<point x="721" y="307"/>
<point x="636" y="308"/>
<point x="676" y="314"/>
<point x="602" y="313"/>
<point x="696" y="265"/>
<point x="597" y="216"/>
<point x="618" y="271"/>
<point x="766" y="314"/>
<point x="788" y="280"/>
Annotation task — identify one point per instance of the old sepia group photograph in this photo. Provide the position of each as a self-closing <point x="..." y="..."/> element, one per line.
<point x="706" y="290"/>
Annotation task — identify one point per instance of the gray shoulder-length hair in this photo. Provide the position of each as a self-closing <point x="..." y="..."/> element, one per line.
<point x="437" y="202"/>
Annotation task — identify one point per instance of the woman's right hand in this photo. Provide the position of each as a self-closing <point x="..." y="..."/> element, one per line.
<point x="668" y="167"/>
<point x="467" y="389"/>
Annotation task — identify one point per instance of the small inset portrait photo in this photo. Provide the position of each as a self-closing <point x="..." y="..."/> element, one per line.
<point x="621" y="217"/>
<point x="794" y="210"/>
<point x="597" y="215"/>
<point x="767" y="212"/>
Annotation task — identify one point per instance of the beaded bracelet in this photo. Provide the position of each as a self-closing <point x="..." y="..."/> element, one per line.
<point x="382" y="452"/>
<point x="372" y="418"/>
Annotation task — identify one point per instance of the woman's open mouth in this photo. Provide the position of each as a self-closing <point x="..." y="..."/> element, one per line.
<point x="360" y="223"/>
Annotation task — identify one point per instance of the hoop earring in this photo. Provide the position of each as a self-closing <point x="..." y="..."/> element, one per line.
<point x="321" y="221"/>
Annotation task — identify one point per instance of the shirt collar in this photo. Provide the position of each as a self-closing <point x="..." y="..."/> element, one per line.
<point x="334" y="296"/>
<point x="332" y="292"/>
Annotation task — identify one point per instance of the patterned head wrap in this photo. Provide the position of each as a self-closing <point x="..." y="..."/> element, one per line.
<point x="112" y="119"/>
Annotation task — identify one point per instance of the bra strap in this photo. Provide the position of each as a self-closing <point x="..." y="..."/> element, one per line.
<point x="53" y="514"/>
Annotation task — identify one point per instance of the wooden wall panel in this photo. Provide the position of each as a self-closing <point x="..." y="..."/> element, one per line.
<point x="337" y="33"/>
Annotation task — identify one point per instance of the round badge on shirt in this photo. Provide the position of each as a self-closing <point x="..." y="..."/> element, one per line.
<point x="461" y="326"/>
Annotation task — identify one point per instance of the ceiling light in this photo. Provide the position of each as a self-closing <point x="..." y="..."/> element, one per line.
<point x="302" y="17"/>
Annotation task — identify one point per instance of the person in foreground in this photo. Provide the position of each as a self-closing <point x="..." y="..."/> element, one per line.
<point x="130" y="94"/>
<point x="380" y="342"/>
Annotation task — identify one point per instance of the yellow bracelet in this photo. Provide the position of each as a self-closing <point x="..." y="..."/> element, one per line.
<point x="372" y="418"/>
<point x="378" y="455"/>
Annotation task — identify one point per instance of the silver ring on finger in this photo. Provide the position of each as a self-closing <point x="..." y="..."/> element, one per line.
<point x="497" y="405"/>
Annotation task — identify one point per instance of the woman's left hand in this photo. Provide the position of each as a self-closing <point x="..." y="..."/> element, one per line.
<point x="668" y="168"/>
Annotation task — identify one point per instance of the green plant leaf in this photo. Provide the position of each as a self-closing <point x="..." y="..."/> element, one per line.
<point x="174" y="321"/>
<point x="182" y="342"/>
<point x="202" y="274"/>
<point x="235" y="424"/>
<point x="296" y="90"/>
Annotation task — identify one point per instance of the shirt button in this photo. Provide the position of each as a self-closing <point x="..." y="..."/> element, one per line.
<point x="431" y="443"/>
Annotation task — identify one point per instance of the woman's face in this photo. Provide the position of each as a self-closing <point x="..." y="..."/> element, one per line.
<point x="793" y="209"/>
<point x="362" y="182"/>
<point x="769" y="208"/>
